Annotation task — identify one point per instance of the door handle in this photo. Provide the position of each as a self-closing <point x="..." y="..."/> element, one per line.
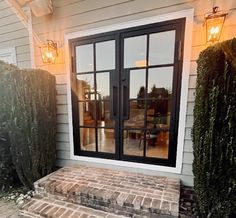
<point x="114" y="100"/>
<point x="125" y="101"/>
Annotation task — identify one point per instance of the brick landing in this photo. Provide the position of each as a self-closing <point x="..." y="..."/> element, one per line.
<point x="116" y="192"/>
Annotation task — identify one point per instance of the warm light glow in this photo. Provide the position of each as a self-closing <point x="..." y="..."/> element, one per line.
<point x="49" y="52"/>
<point x="214" y="25"/>
<point x="141" y="63"/>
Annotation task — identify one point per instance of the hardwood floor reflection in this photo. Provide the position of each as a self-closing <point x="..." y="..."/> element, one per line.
<point x="158" y="148"/>
<point x="132" y="145"/>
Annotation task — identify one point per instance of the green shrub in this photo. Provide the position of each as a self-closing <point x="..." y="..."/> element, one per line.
<point x="29" y="114"/>
<point x="8" y="175"/>
<point x="214" y="131"/>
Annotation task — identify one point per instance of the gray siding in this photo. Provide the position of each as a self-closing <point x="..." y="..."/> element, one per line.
<point x="76" y="15"/>
<point x="14" y="34"/>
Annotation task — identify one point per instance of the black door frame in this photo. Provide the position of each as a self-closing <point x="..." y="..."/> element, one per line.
<point x="178" y="25"/>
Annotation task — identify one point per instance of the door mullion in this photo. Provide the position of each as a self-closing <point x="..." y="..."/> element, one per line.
<point x="146" y="96"/>
<point x="95" y="96"/>
<point x="118" y="120"/>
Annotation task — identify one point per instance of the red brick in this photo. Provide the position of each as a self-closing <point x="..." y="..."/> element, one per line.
<point x="52" y="212"/>
<point x="60" y="212"/>
<point x="41" y="207"/>
<point x="76" y="215"/>
<point x="67" y="214"/>
<point x="45" y="211"/>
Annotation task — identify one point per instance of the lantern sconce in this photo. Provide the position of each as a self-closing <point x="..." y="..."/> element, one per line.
<point x="49" y="52"/>
<point x="214" y="25"/>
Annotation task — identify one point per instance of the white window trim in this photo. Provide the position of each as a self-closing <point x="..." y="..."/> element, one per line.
<point x="11" y="52"/>
<point x="188" y="14"/>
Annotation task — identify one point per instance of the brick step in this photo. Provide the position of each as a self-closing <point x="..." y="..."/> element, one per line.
<point x="113" y="191"/>
<point x="40" y="206"/>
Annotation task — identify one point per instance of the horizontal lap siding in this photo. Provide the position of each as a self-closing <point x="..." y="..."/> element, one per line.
<point x="62" y="137"/>
<point x="76" y="15"/>
<point x="14" y="34"/>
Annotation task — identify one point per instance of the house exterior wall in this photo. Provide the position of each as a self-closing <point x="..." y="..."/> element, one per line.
<point x="77" y="15"/>
<point x="13" y="34"/>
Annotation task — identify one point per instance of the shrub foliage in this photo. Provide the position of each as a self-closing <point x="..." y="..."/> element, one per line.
<point x="214" y="131"/>
<point x="7" y="170"/>
<point x="30" y="121"/>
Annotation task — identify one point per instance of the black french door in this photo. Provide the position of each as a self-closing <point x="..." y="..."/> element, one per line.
<point x="126" y="92"/>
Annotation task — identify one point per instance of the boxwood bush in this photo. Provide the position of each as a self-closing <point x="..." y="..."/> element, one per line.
<point x="214" y="131"/>
<point x="30" y="121"/>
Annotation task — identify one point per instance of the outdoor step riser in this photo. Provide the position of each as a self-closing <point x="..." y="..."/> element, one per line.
<point x="113" y="202"/>
<point x="126" y="209"/>
<point x="41" y="206"/>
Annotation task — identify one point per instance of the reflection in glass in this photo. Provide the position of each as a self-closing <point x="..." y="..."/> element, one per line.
<point x="87" y="113"/>
<point x="137" y="83"/>
<point x="136" y="114"/>
<point x="160" y="81"/>
<point x="85" y="87"/>
<point x="87" y="139"/>
<point x="84" y="58"/>
<point x="103" y="114"/>
<point x="162" y="48"/>
<point x="106" y="140"/>
<point x="159" y="112"/>
<point x="132" y="142"/>
<point x="135" y="51"/>
<point x="105" y="55"/>
<point x="103" y="86"/>
<point x="157" y="143"/>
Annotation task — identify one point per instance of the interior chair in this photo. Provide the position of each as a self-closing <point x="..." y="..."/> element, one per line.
<point x="151" y="138"/>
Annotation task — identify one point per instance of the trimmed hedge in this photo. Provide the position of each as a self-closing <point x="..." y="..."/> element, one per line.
<point x="30" y="117"/>
<point x="8" y="175"/>
<point x="214" y="131"/>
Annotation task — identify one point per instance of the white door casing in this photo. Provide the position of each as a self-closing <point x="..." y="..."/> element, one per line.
<point x="188" y="14"/>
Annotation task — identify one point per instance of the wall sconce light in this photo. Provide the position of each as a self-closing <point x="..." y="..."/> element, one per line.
<point x="49" y="52"/>
<point x="214" y="24"/>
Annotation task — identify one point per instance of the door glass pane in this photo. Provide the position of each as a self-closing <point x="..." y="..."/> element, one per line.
<point x="105" y="55"/>
<point x="103" y="114"/>
<point x="158" y="124"/>
<point x="103" y="86"/>
<point x="135" y="51"/>
<point x="161" y="48"/>
<point x="137" y="84"/>
<point x="132" y="142"/>
<point x="85" y="87"/>
<point x="157" y="143"/>
<point x="87" y="139"/>
<point x="106" y="140"/>
<point x="159" y="112"/>
<point x="160" y="82"/>
<point x="87" y="115"/>
<point x="84" y="58"/>
<point x="136" y="115"/>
